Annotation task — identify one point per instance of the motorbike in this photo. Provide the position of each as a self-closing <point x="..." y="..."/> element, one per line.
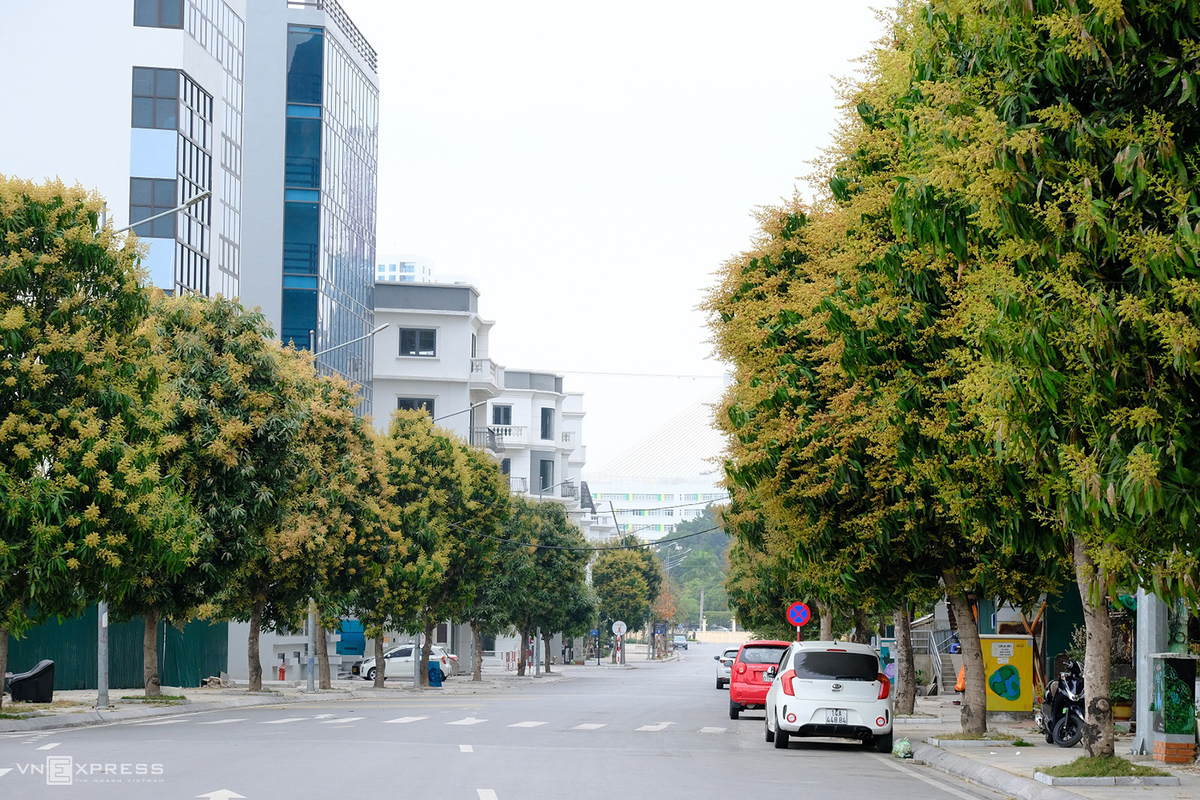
<point x="1062" y="713"/>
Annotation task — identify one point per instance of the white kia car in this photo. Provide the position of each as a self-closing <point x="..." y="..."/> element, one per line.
<point x="400" y="663"/>
<point x="724" y="664"/>
<point x="834" y="689"/>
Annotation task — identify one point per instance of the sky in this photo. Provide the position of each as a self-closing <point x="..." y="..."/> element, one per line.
<point x="589" y="166"/>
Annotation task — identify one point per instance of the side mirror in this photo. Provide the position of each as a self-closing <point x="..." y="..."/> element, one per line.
<point x="716" y="658"/>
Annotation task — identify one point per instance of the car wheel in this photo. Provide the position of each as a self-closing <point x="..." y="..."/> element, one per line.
<point x="883" y="744"/>
<point x="781" y="737"/>
<point x="1068" y="731"/>
<point x="769" y="734"/>
<point x="370" y="674"/>
<point x="734" y="710"/>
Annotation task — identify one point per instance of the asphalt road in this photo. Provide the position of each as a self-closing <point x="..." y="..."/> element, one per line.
<point x="654" y="730"/>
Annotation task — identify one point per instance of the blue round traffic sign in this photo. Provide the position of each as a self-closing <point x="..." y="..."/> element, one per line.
<point x="798" y="614"/>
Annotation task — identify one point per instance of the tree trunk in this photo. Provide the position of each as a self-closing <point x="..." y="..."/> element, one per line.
<point x="862" y="633"/>
<point x="477" y="655"/>
<point x="826" y="616"/>
<point x="546" y="647"/>
<point x="380" y="663"/>
<point x="3" y="660"/>
<point x="906" y="676"/>
<point x="255" y="664"/>
<point x="974" y="699"/>
<point x="523" y="652"/>
<point x="150" y="678"/>
<point x="1098" y="738"/>
<point x="322" y="648"/>
<point x="426" y="650"/>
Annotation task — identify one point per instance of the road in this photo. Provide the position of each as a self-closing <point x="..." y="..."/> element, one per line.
<point x="656" y="729"/>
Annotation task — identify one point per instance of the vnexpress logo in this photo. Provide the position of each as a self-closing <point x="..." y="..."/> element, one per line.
<point x="60" y="770"/>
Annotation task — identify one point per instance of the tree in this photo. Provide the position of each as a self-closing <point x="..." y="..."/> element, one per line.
<point x="232" y="444"/>
<point x="86" y="512"/>
<point x="622" y="591"/>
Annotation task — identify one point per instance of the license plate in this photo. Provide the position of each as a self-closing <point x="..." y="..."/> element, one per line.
<point x="767" y="678"/>
<point x="836" y="716"/>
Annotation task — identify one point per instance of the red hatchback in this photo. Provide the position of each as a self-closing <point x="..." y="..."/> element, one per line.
<point x="748" y="683"/>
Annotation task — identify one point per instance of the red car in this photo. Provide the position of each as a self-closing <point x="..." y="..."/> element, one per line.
<point x="747" y="682"/>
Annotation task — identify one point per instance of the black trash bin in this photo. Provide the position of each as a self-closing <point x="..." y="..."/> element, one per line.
<point x="35" y="686"/>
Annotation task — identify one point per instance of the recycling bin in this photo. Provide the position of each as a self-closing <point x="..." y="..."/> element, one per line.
<point x="435" y="675"/>
<point x="1008" y="667"/>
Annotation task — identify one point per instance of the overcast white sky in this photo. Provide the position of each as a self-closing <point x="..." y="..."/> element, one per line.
<point x="589" y="166"/>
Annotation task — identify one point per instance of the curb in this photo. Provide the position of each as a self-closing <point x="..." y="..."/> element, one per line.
<point x="988" y="777"/>
<point x="945" y="743"/>
<point x="1129" y="780"/>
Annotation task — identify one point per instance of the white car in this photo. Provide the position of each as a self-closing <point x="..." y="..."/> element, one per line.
<point x="724" y="665"/>
<point x="400" y="663"/>
<point x="835" y="689"/>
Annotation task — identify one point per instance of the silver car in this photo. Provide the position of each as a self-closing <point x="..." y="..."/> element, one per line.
<point x="724" y="665"/>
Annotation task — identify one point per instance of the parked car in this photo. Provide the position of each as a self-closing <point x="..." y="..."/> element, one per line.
<point x="724" y="663"/>
<point x="833" y="689"/>
<point x="679" y="642"/>
<point x="400" y="663"/>
<point x="748" y="682"/>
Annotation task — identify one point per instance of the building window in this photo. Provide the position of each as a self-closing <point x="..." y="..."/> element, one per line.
<point x="502" y="415"/>
<point x="545" y="474"/>
<point x="155" y="98"/>
<point x="415" y="404"/>
<point x="148" y="197"/>
<point x="547" y="423"/>
<point x="506" y="466"/>
<point x="158" y="13"/>
<point x="305" y="64"/>
<point x="418" y="342"/>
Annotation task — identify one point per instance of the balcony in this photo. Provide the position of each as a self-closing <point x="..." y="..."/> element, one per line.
<point x="509" y="433"/>
<point x="517" y="485"/>
<point x="487" y="375"/>
<point x="487" y="438"/>
<point x="569" y="489"/>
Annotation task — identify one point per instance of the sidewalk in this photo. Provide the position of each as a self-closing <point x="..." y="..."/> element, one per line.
<point x="1010" y="769"/>
<point x="76" y="708"/>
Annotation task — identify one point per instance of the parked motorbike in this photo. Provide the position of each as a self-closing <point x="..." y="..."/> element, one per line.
<point x="1062" y="713"/>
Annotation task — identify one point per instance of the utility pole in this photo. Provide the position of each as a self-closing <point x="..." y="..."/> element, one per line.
<point x="537" y="650"/>
<point x="102" y="655"/>
<point x="312" y="642"/>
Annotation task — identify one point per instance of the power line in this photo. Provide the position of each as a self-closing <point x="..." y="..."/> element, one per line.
<point x="583" y="549"/>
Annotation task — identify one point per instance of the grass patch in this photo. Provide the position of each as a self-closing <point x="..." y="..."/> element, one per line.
<point x="30" y="708"/>
<point x="990" y="736"/>
<point x="162" y="698"/>
<point x="1103" y="767"/>
<point x="1021" y="743"/>
<point x="14" y="716"/>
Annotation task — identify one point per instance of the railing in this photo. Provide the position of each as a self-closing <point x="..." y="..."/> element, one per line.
<point x="517" y="485"/>
<point x="569" y="489"/>
<point x="344" y="22"/>
<point x="482" y="369"/>
<point x="925" y="643"/>
<point x="509" y="431"/>
<point x="487" y="437"/>
<point x="566" y="437"/>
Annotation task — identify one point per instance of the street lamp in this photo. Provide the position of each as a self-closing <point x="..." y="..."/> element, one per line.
<point x="202" y="196"/>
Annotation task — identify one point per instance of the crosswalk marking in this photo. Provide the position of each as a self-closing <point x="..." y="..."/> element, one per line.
<point x="50" y="746"/>
<point x="160" y="722"/>
<point x="486" y="794"/>
<point x="588" y="726"/>
<point x="282" y="721"/>
<point x="341" y="720"/>
<point x="467" y="721"/>
<point x="223" y="721"/>
<point x="405" y="720"/>
<point x="662" y="726"/>
<point x="526" y="724"/>
<point x="466" y="748"/>
<point x="712" y="730"/>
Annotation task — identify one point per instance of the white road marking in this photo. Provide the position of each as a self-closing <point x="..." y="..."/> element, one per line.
<point x="913" y="773"/>
<point x="466" y="748"/>
<point x="404" y="720"/>
<point x="160" y="722"/>
<point x="4" y="772"/>
<point x="662" y="726"/>
<point x="712" y="730"/>
<point x="486" y="794"/>
<point x="50" y="746"/>
<point x="589" y="726"/>
<point x="282" y="721"/>
<point x="222" y="721"/>
<point x="323" y="716"/>
<point x="468" y="721"/>
<point x="341" y="720"/>
<point x="526" y="724"/>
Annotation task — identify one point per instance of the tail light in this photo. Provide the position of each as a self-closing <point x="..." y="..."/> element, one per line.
<point x="785" y="681"/>
<point x="741" y="669"/>
<point x="885" y="686"/>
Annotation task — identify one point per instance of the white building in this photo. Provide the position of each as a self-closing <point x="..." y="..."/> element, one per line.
<point x="667" y="478"/>
<point x="407" y="269"/>
<point x="141" y="100"/>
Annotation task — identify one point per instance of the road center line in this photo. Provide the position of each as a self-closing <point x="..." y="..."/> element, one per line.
<point x="712" y="730"/>
<point x="486" y="794"/>
<point x="662" y="726"/>
<point x="589" y="726"/>
<point x="282" y="721"/>
<point x="404" y="720"/>
<point x="526" y="724"/>
<point x="466" y="748"/>
<point x="467" y="721"/>
<point x="50" y="746"/>
<point x="222" y="721"/>
<point x="340" y="720"/>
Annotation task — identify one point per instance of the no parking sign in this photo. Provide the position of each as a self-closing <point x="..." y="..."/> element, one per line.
<point x="798" y="614"/>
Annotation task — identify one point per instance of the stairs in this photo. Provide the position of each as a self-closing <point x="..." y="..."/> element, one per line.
<point x="949" y="674"/>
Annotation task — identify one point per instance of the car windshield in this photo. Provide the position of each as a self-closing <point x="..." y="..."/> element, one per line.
<point x="731" y="654"/>
<point x="826" y="665"/>
<point x="762" y="655"/>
